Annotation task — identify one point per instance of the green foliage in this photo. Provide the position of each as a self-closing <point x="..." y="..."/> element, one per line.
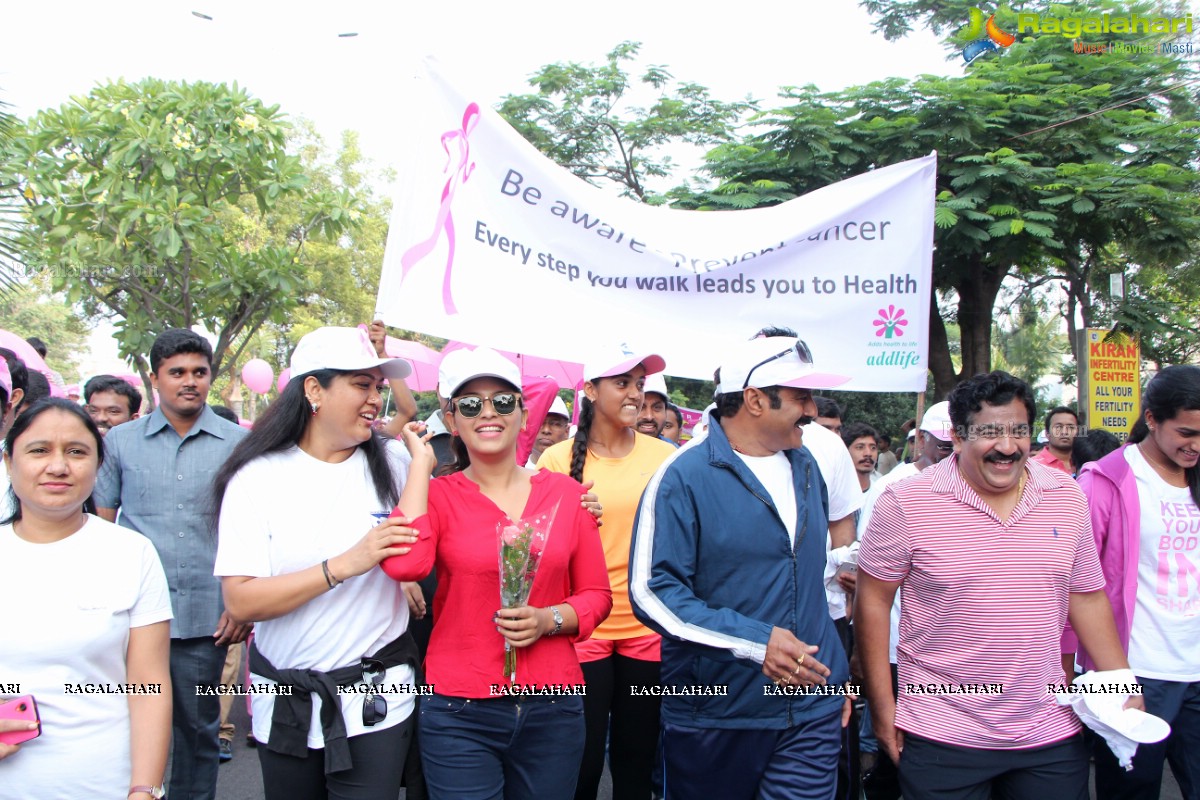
<point x="28" y="310"/>
<point x="339" y="276"/>
<point x="895" y="19"/>
<point x="1027" y="340"/>
<point x="1048" y="162"/>
<point x="581" y="118"/>
<point x="1161" y="308"/>
<point x="9" y="207"/>
<point x="134" y="207"/>
<point x="886" y="412"/>
<point x="690" y="393"/>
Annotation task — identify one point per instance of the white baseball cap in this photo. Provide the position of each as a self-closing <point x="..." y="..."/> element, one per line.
<point x="620" y="359"/>
<point x="463" y="366"/>
<point x="558" y="407"/>
<point x="773" y="361"/>
<point x="343" y="349"/>
<point x="937" y="421"/>
<point x="657" y="384"/>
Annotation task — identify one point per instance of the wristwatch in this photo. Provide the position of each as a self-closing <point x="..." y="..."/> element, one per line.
<point x="558" y="621"/>
<point x="157" y="792"/>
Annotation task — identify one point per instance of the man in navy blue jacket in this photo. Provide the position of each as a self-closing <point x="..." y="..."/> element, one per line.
<point x="727" y="564"/>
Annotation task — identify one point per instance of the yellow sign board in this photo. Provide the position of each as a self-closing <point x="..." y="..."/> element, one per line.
<point x="1113" y="394"/>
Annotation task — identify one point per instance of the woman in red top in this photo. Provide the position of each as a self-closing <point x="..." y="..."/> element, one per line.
<point x="479" y="730"/>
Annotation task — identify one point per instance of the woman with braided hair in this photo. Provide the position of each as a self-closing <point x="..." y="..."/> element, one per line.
<point x="621" y="653"/>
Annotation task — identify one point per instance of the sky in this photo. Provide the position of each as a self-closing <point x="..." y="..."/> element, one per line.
<point x="291" y="54"/>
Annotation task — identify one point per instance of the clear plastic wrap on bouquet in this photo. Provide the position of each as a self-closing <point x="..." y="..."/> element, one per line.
<point x="520" y="546"/>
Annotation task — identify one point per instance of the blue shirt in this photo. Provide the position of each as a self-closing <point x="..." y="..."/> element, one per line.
<point x="162" y="482"/>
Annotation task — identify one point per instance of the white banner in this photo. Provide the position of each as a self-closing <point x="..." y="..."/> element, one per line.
<point x="492" y="243"/>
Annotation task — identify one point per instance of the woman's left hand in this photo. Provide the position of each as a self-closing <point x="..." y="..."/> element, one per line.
<point x="523" y="626"/>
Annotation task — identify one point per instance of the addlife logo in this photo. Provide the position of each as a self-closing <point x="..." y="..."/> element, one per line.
<point x="893" y="349"/>
<point x="985" y="37"/>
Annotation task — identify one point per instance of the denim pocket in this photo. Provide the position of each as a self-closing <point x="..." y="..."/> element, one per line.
<point x="568" y="706"/>
<point x="443" y="704"/>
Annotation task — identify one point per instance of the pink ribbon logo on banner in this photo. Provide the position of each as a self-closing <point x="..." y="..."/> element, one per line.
<point x="445" y="218"/>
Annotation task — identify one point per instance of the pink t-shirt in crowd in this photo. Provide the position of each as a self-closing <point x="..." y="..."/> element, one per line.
<point x="1045" y="456"/>
<point x="984" y="603"/>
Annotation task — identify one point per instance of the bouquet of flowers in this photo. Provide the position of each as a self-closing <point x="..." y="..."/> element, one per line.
<point x="521" y="545"/>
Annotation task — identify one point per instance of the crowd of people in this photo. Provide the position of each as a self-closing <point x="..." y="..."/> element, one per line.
<point x="505" y="598"/>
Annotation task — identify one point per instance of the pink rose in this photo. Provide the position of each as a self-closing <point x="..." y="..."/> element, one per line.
<point x="510" y="535"/>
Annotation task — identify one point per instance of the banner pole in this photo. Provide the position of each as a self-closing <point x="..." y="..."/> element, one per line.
<point x="920" y="413"/>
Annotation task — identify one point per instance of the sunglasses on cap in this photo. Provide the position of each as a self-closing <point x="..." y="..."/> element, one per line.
<point x="471" y="405"/>
<point x="374" y="705"/>
<point x="800" y="349"/>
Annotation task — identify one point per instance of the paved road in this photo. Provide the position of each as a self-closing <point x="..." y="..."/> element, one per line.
<point x="241" y="780"/>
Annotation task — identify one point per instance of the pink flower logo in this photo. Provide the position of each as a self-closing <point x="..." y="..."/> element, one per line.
<point x="891" y="322"/>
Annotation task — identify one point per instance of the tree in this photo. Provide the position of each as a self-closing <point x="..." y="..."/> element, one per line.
<point x="579" y="118"/>
<point x="1027" y="339"/>
<point x="9" y="207"/>
<point x="28" y="311"/>
<point x="132" y="210"/>
<point x="1029" y="142"/>
<point x="886" y="412"/>
<point x="1161" y="309"/>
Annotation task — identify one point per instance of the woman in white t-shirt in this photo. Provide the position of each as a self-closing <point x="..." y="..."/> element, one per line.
<point x="301" y="528"/>
<point x="1145" y="507"/>
<point x="86" y="629"/>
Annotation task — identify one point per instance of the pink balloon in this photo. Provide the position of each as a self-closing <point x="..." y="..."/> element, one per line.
<point x="258" y="376"/>
<point x="285" y="376"/>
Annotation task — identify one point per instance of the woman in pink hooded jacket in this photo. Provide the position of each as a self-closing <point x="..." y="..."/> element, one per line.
<point x="1145" y="508"/>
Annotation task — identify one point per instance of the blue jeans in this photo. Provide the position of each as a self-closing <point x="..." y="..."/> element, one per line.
<point x="196" y="718"/>
<point x="797" y="763"/>
<point x="1179" y="704"/>
<point x="526" y="748"/>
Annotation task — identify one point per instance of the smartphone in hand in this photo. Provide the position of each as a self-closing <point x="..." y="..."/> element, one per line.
<point x="23" y="708"/>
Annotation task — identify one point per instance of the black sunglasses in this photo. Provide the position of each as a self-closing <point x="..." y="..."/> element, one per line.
<point x="471" y="405"/>
<point x="374" y="705"/>
<point x="800" y="349"/>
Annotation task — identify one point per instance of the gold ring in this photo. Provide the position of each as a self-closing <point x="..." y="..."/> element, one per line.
<point x="800" y="660"/>
<point x="796" y="671"/>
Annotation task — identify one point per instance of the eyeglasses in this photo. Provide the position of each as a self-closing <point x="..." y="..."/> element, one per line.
<point x="374" y="705"/>
<point x="555" y="422"/>
<point x="800" y="349"/>
<point x="471" y="405"/>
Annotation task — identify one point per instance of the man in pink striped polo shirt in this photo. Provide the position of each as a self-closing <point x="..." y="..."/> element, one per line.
<point x="993" y="553"/>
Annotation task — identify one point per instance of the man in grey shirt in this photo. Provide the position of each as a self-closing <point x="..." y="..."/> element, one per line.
<point x="158" y="470"/>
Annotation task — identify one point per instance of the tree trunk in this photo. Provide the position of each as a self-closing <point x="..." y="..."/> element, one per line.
<point x="143" y="369"/>
<point x="940" y="363"/>
<point x="977" y="290"/>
